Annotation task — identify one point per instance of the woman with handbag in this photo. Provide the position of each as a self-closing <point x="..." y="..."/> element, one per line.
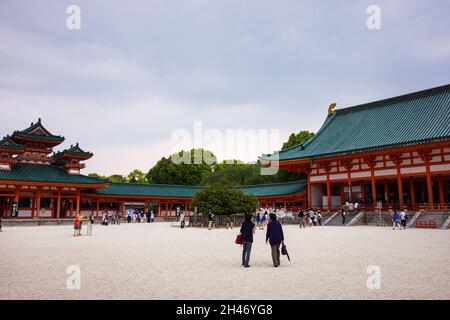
<point x="247" y="231"/>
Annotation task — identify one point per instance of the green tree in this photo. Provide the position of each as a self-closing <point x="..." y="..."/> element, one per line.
<point x="296" y="139"/>
<point x="97" y="176"/>
<point x="137" y="176"/>
<point x="117" y="178"/>
<point x="243" y="174"/>
<point x="220" y="199"/>
<point x="183" y="168"/>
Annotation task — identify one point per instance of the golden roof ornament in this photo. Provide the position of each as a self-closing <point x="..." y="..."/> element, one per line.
<point x="331" y="108"/>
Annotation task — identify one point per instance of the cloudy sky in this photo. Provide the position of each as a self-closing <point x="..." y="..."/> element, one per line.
<point x="138" y="71"/>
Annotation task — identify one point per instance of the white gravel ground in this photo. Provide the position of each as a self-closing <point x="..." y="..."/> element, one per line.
<point x="155" y="261"/>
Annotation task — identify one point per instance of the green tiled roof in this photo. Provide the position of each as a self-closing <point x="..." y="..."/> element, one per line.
<point x="74" y="151"/>
<point x="177" y="191"/>
<point x="410" y="119"/>
<point x="37" y="136"/>
<point x="275" y="189"/>
<point x="8" y="143"/>
<point x="44" y="173"/>
<point x="28" y="133"/>
<point x="148" y="190"/>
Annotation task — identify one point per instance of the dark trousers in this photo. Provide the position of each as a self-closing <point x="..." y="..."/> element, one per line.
<point x="343" y="218"/>
<point x="246" y="250"/>
<point x="276" y="254"/>
<point x="182" y="224"/>
<point x="404" y="223"/>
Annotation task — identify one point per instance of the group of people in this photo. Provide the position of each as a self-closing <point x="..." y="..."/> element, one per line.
<point x="349" y="207"/>
<point x="136" y="216"/>
<point x="115" y="218"/>
<point x="399" y="220"/>
<point x="309" y="218"/>
<point x="261" y="218"/>
<point x="78" y="224"/>
<point x="274" y="236"/>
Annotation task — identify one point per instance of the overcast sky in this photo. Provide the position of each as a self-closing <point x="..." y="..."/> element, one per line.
<point x="137" y="71"/>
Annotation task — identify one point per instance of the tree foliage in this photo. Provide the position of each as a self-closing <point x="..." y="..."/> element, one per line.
<point x="221" y="199"/>
<point x="296" y="139"/>
<point x="137" y="176"/>
<point x="183" y="168"/>
<point x="244" y="174"/>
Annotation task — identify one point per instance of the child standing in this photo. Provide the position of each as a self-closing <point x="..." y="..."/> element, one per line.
<point x="76" y="226"/>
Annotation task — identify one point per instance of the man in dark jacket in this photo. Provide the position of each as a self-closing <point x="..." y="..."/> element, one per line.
<point x="275" y="237"/>
<point x="247" y="230"/>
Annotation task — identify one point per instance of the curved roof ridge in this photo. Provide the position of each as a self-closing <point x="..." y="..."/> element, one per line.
<point x="396" y="99"/>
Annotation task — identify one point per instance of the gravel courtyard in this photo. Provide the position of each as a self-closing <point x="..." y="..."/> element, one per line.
<point x="156" y="261"/>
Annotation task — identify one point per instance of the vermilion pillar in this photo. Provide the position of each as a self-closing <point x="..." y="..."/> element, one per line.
<point x="328" y="191"/>
<point x="78" y="203"/>
<point x="374" y="187"/>
<point x="309" y="192"/>
<point x="429" y="185"/>
<point x="38" y="204"/>
<point x="58" y="206"/>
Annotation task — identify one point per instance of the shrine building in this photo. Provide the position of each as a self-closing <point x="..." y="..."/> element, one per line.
<point x="388" y="154"/>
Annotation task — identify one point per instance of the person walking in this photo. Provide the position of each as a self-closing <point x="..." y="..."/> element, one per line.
<point x="301" y="216"/>
<point x="343" y="215"/>
<point x="275" y="236"/>
<point x="210" y="220"/>
<point x="258" y="220"/>
<point x="119" y="217"/>
<point x="182" y="220"/>
<point x="319" y="217"/>
<point x="229" y="223"/>
<point x="80" y="217"/>
<point x="396" y="221"/>
<point x="152" y="217"/>
<point x="147" y="214"/>
<point x="311" y="216"/>
<point x="246" y="232"/>
<point x="89" y="224"/>
<point x="403" y="218"/>
<point x="263" y="220"/>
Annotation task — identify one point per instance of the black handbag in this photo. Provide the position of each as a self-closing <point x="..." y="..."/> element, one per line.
<point x="284" y="251"/>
